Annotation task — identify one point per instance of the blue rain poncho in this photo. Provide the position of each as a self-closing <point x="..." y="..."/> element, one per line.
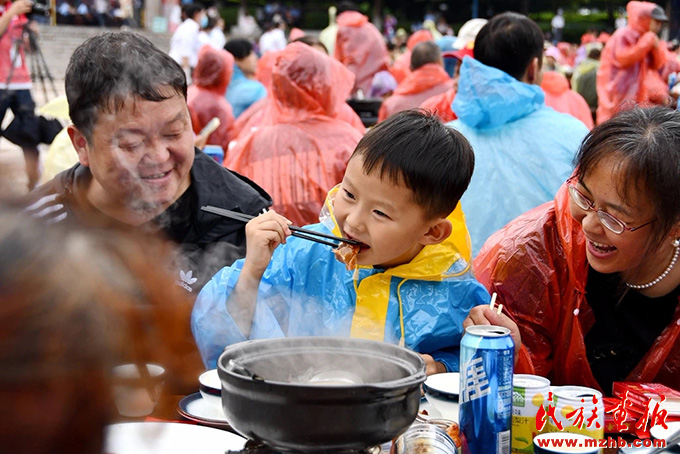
<point x="523" y="149"/>
<point x="305" y="291"/>
<point x="243" y="92"/>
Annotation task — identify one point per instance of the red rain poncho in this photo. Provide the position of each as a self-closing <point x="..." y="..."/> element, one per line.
<point x="560" y="97"/>
<point x="361" y="48"/>
<point x="440" y="105"/>
<point x="630" y="64"/>
<point x="299" y="150"/>
<point x="401" y="68"/>
<point x="422" y="84"/>
<point x="252" y="116"/>
<point x="205" y="97"/>
<point x="264" y="69"/>
<point x="537" y="265"/>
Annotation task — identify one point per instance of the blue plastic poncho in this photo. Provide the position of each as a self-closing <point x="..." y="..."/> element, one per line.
<point x="243" y="92"/>
<point x="523" y="149"/>
<point x="305" y="291"/>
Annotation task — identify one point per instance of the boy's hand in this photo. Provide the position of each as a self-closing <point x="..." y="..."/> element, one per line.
<point x="263" y="234"/>
<point x="483" y="315"/>
<point x="431" y="366"/>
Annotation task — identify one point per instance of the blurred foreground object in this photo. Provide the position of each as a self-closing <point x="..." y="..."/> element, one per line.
<point x="74" y="305"/>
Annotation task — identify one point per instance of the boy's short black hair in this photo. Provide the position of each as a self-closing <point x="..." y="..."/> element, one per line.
<point x="509" y="42"/>
<point x="416" y="149"/>
<point x="107" y="69"/>
<point x="239" y="48"/>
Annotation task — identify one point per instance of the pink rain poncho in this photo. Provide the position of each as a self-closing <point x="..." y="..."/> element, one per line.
<point x="206" y="96"/>
<point x="299" y="150"/>
<point x="560" y="97"/>
<point x="361" y="48"/>
<point x="252" y="116"/>
<point x="630" y="64"/>
<point x="401" y="68"/>
<point x="423" y="83"/>
<point x="537" y="265"/>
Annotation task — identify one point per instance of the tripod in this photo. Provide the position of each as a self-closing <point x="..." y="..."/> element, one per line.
<point x="37" y="64"/>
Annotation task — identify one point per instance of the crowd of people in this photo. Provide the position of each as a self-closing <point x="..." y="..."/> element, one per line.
<point x="511" y="183"/>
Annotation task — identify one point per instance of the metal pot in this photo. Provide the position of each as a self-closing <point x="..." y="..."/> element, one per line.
<point x="272" y="393"/>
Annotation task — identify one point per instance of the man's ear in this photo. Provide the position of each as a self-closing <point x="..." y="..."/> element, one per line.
<point x="437" y="233"/>
<point x="534" y="72"/>
<point x="80" y="144"/>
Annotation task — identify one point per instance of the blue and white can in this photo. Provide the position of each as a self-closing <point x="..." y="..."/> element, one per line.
<point x="486" y="370"/>
<point x="214" y="151"/>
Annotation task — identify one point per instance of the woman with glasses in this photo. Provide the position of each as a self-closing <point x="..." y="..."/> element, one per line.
<point x="590" y="281"/>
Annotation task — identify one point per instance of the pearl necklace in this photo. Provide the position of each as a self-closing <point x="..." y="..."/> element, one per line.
<point x="676" y="244"/>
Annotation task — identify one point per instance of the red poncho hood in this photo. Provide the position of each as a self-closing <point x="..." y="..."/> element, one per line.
<point x="214" y="69"/>
<point x="351" y="19"/>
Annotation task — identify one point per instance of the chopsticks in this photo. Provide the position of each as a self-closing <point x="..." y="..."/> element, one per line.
<point x="493" y="302"/>
<point x="297" y="231"/>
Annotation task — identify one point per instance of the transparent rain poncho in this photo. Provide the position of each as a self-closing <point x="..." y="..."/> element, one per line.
<point x="299" y="150"/>
<point x="560" y="97"/>
<point x="306" y="291"/>
<point x="537" y="265"/>
<point x="205" y="97"/>
<point x="361" y="48"/>
<point x="523" y="149"/>
<point x="630" y="64"/>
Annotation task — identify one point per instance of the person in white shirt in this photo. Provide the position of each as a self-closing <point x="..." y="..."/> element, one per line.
<point x="273" y="39"/>
<point x="212" y="34"/>
<point x="557" y="24"/>
<point x="184" y="44"/>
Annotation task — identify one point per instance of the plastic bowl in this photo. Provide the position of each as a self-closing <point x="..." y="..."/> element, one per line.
<point x="210" y="387"/>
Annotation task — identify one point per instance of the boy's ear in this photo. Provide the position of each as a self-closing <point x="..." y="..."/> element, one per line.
<point x="437" y="233"/>
<point x="80" y="144"/>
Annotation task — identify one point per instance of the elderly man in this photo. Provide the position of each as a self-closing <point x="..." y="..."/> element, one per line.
<point x="138" y="165"/>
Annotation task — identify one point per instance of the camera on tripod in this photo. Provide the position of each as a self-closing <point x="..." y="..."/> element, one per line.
<point x="39" y="9"/>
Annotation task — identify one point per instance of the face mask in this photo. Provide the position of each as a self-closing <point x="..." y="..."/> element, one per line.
<point x="204" y="21"/>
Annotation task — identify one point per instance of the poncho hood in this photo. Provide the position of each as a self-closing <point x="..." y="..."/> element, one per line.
<point x="214" y="69"/>
<point x="640" y="15"/>
<point x="351" y="19"/>
<point x="305" y="81"/>
<point x="488" y="97"/>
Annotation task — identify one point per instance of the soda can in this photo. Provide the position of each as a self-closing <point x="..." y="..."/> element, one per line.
<point x="579" y="410"/>
<point x="486" y="367"/>
<point x="529" y="393"/>
<point x="214" y="151"/>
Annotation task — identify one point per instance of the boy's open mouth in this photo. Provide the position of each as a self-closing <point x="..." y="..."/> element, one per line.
<point x="362" y="246"/>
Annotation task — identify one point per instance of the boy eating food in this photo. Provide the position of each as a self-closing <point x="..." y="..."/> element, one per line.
<point x="410" y="284"/>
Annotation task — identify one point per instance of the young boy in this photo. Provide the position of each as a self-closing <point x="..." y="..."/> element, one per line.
<point x="411" y="286"/>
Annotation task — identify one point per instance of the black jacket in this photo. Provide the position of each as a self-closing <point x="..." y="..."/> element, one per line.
<point x="206" y="242"/>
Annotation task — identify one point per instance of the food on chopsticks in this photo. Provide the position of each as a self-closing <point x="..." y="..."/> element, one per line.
<point x="347" y="254"/>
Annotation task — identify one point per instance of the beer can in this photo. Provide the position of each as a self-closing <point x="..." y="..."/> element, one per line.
<point x="214" y="151"/>
<point x="579" y="410"/>
<point x="529" y="393"/>
<point x="486" y="367"/>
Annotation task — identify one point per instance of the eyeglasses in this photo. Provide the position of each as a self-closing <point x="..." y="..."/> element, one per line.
<point x="612" y="223"/>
